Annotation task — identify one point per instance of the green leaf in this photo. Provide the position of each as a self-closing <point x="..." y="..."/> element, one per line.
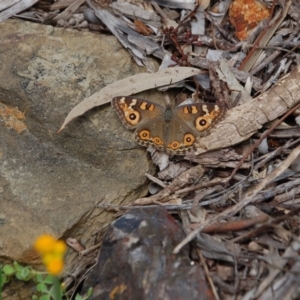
<point x="1" y="282"/>
<point x="8" y="270"/>
<point x="39" y="277"/>
<point x="89" y="292"/>
<point x="49" y="279"/>
<point x="41" y="287"/>
<point x="56" y="291"/>
<point x="28" y="273"/>
<point x="17" y="266"/>
<point x="25" y="274"/>
<point x="85" y="296"/>
<point x="45" y="297"/>
<point x="4" y="279"/>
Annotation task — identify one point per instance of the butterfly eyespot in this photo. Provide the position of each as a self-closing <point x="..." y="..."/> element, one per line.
<point x="144" y="134"/>
<point x="133" y="117"/>
<point x="202" y="123"/>
<point x="174" y="145"/>
<point x="189" y="139"/>
<point x="157" y="141"/>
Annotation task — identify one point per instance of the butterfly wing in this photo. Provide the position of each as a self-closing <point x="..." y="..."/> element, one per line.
<point x="145" y="116"/>
<point x="188" y="123"/>
<point x="200" y="116"/>
<point x="151" y="134"/>
<point x="172" y="131"/>
<point x="134" y="111"/>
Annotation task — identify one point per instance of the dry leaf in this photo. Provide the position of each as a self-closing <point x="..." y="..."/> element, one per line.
<point x="142" y="28"/>
<point x="128" y="86"/>
<point x="11" y="8"/>
<point x="244" y="15"/>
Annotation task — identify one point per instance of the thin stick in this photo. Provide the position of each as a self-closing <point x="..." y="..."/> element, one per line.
<point x="261" y="138"/>
<point x="246" y="199"/>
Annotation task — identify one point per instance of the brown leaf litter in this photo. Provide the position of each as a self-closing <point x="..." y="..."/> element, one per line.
<point x="237" y="195"/>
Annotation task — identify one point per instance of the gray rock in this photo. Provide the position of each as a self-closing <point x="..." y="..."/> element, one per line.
<point x="49" y="182"/>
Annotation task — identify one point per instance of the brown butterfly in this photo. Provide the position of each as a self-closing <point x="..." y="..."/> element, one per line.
<point x="171" y="130"/>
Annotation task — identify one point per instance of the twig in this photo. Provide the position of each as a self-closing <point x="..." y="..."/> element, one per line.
<point x="247" y="198"/>
<point x="184" y="178"/>
<point x="264" y="228"/>
<point x="280" y="263"/>
<point x="208" y="277"/>
<point x="261" y="138"/>
<point x="271" y="155"/>
<point x="263" y="38"/>
<point x="155" y="180"/>
<point x="235" y="225"/>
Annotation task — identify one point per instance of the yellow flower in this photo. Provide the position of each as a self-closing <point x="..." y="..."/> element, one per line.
<point x="52" y="252"/>
<point x="55" y="267"/>
<point x="44" y="243"/>
<point x="60" y="247"/>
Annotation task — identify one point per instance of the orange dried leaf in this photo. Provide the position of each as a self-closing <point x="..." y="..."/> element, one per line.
<point x="141" y="28"/>
<point x="244" y="15"/>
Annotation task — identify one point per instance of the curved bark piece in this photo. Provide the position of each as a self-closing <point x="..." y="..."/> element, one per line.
<point x="243" y="121"/>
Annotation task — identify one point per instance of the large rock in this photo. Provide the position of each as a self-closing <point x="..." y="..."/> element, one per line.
<point x="49" y="182"/>
<point x="142" y="243"/>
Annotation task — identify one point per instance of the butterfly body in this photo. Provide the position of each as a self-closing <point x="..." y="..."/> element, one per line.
<point x="171" y="130"/>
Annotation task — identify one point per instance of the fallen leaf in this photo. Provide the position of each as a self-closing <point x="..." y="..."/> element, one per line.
<point x="128" y="86"/>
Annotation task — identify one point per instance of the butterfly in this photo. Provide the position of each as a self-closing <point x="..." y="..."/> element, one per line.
<point x="173" y="131"/>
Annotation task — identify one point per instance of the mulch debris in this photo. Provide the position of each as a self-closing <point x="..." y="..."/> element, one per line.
<point x="238" y="206"/>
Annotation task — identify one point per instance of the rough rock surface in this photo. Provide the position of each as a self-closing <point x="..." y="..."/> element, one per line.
<point x="142" y="243"/>
<point x="49" y="182"/>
